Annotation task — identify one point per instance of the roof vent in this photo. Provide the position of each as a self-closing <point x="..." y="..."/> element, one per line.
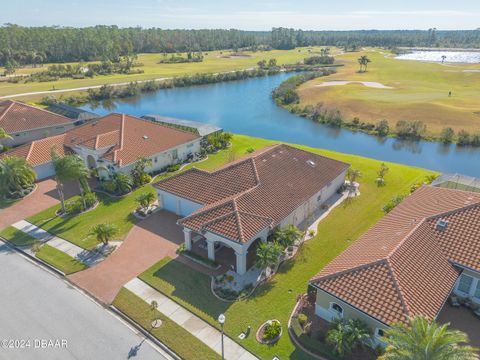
<point x="94" y="123"/>
<point x="311" y="163"/>
<point x="145" y="137"/>
<point x="441" y="224"/>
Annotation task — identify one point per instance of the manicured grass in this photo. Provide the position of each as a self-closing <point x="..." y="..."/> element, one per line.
<point x="17" y="237"/>
<point x="174" y="336"/>
<point x="58" y="259"/>
<point x="419" y="92"/>
<point x="276" y="299"/>
<point x="214" y="61"/>
<point x="76" y="229"/>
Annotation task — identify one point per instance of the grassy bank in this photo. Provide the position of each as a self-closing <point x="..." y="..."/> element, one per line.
<point x="214" y="61"/>
<point x="17" y="237"/>
<point x="174" y="336"/>
<point x="277" y="298"/>
<point x="419" y="91"/>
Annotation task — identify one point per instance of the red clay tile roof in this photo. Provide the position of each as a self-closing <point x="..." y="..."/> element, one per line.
<point x="17" y="117"/>
<point x="249" y="195"/>
<point x="128" y="138"/>
<point x="417" y="255"/>
<point x="38" y="152"/>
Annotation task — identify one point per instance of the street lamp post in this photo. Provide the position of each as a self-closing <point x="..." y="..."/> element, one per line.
<point x="221" y="320"/>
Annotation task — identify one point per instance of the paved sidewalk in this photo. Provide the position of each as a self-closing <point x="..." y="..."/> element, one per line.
<point x="190" y="322"/>
<point x="88" y="257"/>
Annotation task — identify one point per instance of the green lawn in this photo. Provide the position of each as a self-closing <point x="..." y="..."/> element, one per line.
<point x="17" y="237"/>
<point x="174" y="336"/>
<point x="277" y="298"/>
<point x="77" y="229"/>
<point x="214" y="61"/>
<point x="58" y="259"/>
<point x="419" y="92"/>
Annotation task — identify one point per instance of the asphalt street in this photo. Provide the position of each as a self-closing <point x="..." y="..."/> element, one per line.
<point x="43" y="317"/>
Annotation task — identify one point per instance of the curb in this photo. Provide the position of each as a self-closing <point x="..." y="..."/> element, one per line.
<point x="109" y="308"/>
<point x="144" y="332"/>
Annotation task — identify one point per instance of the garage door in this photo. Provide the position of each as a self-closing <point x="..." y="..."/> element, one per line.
<point x="170" y="203"/>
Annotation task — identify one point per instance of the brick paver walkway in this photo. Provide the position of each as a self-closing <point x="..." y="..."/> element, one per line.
<point x="206" y="333"/>
<point x="147" y="243"/>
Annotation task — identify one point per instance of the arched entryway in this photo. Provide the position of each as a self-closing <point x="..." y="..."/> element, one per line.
<point x="91" y="162"/>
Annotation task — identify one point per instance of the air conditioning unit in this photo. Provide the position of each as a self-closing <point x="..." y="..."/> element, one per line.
<point x="441" y="224"/>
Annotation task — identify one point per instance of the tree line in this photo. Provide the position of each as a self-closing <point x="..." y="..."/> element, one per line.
<point x="37" y="45"/>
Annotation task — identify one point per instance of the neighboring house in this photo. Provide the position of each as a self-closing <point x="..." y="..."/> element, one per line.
<point x="457" y="181"/>
<point x="241" y="204"/>
<point x="115" y="142"/>
<point x="79" y="116"/>
<point x="202" y="129"/>
<point x="408" y="263"/>
<point x="25" y="123"/>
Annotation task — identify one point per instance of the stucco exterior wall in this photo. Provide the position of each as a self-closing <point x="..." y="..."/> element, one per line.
<point x="323" y="309"/>
<point x="36" y="134"/>
<point x="44" y="171"/>
<point x="311" y="205"/>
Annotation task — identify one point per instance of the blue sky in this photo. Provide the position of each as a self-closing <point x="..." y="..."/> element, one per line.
<point x="248" y="14"/>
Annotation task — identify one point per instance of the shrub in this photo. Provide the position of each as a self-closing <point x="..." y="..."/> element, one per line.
<point x="447" y="134"/>
<point x="74" y="207"/>
<point x="173" y="168"/>
<point x="463" y="138"/>
<point x="250" y="150"/>
<point x="272" y="330"/>
<point x="90" y="199"/>
<point x="302" y="319"/>
<point x="393" y="203"/>
<point x="110" y="186"/>
<point x="382" y="128"/>
<point x="410" y="129"/>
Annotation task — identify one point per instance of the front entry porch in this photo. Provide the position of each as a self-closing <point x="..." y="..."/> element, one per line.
<point x="233" y="256"/>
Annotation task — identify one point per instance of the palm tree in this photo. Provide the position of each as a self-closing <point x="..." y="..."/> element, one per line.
<point x="363" y="61"/>
<point x="70" y="168"/>
<point x="15" y="174"/>
<point x="123" y="182"/>
<point x="146" y="199"/>
<point x="345" y="336"/>
<point x="104" y="232"/>
<point x="268" y="255"/>
<point x="288" y="235"/>
<point x="353" y="175"/>
<point x="139" y="175"/>
<point x="426" y="340"/>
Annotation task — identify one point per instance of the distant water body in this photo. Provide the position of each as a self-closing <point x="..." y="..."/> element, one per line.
<point x="466" y="57"/>
<point x="246" y="107"/>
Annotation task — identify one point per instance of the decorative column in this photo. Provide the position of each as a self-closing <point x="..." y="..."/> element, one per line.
<point x="188" y="238"/>
<point x="241" y="262"/>
<point x="211" y="249"/>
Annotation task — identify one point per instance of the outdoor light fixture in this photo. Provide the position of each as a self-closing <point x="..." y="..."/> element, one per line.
<point x="221" y="320"/>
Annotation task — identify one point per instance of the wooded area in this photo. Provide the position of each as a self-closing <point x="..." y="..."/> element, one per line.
<point x="36" y="45"/>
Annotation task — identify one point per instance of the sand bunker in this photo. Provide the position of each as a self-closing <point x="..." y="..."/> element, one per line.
<point x="365" y="83"/>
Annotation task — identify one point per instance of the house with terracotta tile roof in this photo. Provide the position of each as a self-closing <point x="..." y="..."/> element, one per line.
<point x="240" y="204"/>
<point x="408" y="264"/>
<point x="114" y="142"/>
<point x="25" y="123"/>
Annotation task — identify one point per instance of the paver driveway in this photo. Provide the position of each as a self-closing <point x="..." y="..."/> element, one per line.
<point x="148" y="242"/>
<point x="44" y="196"/>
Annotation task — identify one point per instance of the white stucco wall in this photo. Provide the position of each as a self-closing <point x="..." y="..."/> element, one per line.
<point x="312" y="204"/>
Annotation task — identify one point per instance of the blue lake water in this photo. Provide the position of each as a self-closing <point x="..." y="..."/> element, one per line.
<point x="246" y="107"/>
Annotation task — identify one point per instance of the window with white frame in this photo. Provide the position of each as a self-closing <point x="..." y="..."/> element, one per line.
<point x="337" y="308"/>
<point x="465" y="283"/>
<point x="477" y="291"/>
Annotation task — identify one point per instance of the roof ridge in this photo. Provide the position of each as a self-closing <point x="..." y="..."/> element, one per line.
<point x="97" y="137"/>
<point x="218" y="218"/>
<point x="239" y="221"/>
<point x="122" y="133"/>
<point x="404" y="238"/>
<point x="30" y="149"/>
<point x="406" y="307"/>
<point x="7" y="109"/>
<point x="450" y="212"/>
<point x="255" y="215"/>
<point x="346" y="271"/>
<point x="203" y="211"/>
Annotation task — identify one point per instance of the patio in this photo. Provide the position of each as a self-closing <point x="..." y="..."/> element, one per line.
<point x="462" y="319"/>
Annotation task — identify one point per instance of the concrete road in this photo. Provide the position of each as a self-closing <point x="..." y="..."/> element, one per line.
<point x="43" y="317"/>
